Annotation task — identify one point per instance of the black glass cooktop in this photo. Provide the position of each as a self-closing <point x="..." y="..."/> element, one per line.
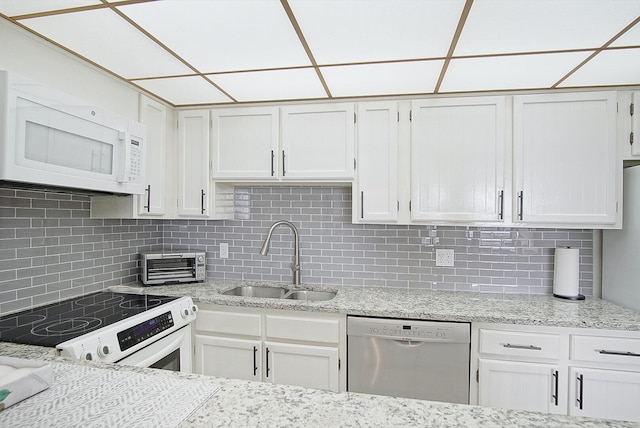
<point x="58" y="322"/>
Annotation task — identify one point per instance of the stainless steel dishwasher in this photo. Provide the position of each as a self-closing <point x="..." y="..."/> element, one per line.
<point x="409" y="358"/>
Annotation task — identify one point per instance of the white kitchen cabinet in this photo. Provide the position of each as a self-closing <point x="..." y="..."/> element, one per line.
<point x="457" y="159"/>
<point x="519" y="385"/>
<point x="193" y="163"/>
<point x="245" y="143"/>
<point x="520" y="370"/>
<point x="154" y="116"/>
<point x="302" y="365"/>
<point x="271" y="346"/>
<point x="317" y="142"/>
<point x="375" y="192"/>
<point x="574" y="371"/>
<point x="565" y="163"/>
<point x="607" y="394"/>
<point x="228" y="357"/>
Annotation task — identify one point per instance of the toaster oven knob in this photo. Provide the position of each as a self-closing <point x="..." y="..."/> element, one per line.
<point x="104" y="350"/>
<point x="200" y="259"/>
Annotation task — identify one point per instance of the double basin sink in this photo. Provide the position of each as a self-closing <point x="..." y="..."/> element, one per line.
<point x="280" y="293"/>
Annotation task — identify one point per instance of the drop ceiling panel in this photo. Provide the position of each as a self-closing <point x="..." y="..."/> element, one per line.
<point x="630" y="38"/>
<point x="507" y="26"/>
<point x="272" y="85"/>
<point x="217" y="36"/>
<point x="616" y="67"/>
<point x="362" y="30"/>
<point x="509" y="72"/>
<point x="108" y="40"/>
<point x="184" y="90"/>
<point x="383" y="79"/>
<point x="25" y="7"/>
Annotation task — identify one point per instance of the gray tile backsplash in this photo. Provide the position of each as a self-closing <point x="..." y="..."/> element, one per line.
<point x="50" y="249"/>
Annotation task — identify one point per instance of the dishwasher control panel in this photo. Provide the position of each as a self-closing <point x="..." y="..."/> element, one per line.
<point x="409" y="329"/>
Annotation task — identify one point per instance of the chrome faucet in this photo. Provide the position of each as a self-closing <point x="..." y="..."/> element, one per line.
<point x="295" y="267"/>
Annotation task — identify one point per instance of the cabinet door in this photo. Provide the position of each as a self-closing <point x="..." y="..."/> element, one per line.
<point x="226" y="357"/>
<point x="302" y="365"/>
<point x="245" y="143"/>
<point x="520" y="386"/>
<point x="457" y="159"/>
<point x="154" y="116"/>
<point x="608" y="394"/>
<point x="565" y="158"/>
<point x="193" y="163"/>
<point x="375" y="196"/>
<point x="317" y="142"/>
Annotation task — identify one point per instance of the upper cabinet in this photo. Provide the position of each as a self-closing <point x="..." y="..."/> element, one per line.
<point x="245" y="143"/>
<point x="375" y="191"/>
<point x="565" y="163"/>
<point x="154" y="116"/>
<point x="457" y="159"/>
<point x="193" y="163"/>
<point x="317" y="142"/>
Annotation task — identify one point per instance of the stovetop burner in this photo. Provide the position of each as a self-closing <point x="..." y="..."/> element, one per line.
<point x="53" y="324"/>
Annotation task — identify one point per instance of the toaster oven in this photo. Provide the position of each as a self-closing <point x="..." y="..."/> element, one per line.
<point x="172" y="268"/>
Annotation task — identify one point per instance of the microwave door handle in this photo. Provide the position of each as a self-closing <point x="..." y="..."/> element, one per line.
<point x="123" y="137"/>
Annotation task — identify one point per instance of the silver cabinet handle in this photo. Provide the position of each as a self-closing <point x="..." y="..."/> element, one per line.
<point x="284" y="172"/>
<point x="362" y="204"/>
<point x="624" y="353"/>
<point x="148" y="191"/>
<point x="202" y="195"/>
<point x="520" y="198"/>
<point x="501" y="205"/>
<point x="528" y="347"/>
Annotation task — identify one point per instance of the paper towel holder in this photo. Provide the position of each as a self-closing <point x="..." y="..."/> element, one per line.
<point x="566" y="274"/>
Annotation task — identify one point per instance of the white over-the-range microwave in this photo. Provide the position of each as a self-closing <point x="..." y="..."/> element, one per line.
<point x="49" y="138"/>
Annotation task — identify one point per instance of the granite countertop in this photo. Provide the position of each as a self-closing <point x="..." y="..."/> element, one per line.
<point x="543" y="310"/>
<point x="237" y="403"/>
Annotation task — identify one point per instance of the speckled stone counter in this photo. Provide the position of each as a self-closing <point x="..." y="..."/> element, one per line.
<point x="254" y="404"/>
<point x="422" y="304"/>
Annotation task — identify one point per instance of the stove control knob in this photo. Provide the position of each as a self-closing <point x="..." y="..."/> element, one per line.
<point x="104" y="350"/>
<point x="194" y="309"/>
<point x="86" y="356"/>
<point x="184" y="313"/>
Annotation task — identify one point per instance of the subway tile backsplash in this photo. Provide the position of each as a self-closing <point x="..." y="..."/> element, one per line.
<point x="50" y="249"/>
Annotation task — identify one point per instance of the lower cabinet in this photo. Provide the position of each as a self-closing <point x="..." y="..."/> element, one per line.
<point x="579" y="372"/>
<point x="277" y="346"/>
<point x="519" y="385"/>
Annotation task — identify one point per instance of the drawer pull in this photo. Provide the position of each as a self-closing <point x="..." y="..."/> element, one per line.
<point x="628" y="354"/>
<point x="529" y="347"/>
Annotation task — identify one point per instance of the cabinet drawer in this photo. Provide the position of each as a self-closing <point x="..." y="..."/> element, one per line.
<point x="519" y="344"/>
<point x="303" y="329"/>
<point x="618" y="350"/>
<point x="229" y="323"/>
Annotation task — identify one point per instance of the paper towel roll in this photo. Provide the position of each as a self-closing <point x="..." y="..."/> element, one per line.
<point x="566" y="274"/>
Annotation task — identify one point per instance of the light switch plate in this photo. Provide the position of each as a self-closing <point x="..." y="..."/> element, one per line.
<point x="224" y="250"/>
<point x="444" y="257"/>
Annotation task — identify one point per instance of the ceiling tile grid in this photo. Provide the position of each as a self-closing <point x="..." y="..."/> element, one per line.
<point x="206" y="52"/>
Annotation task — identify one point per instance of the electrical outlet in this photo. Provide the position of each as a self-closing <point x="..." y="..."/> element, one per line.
<point x="224" y="250"/>
<point x="444" y="257"/>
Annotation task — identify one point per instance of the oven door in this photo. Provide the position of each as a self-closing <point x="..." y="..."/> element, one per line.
<point x="172" y="352"/>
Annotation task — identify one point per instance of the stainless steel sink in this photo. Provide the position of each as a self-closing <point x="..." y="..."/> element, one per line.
<point x="311" y="295"/>
<point x="280" y="293"/>
<point x="251" y="291"/>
